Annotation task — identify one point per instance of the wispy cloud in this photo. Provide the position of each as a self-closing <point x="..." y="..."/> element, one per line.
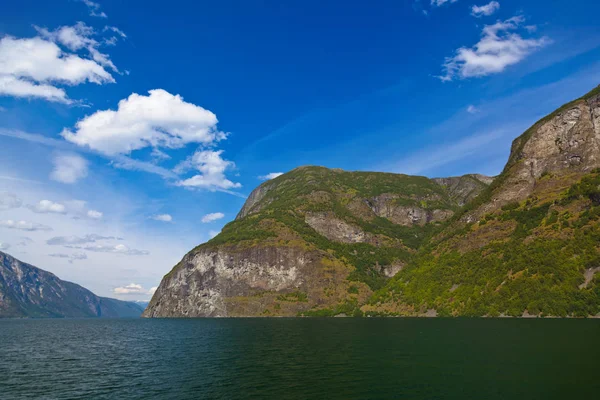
<point x="162" y="217"/>
<point x="485" y="10"/>
<point x="24" y="225"/>
<point x="434" y="157"/>
<point x="94" y="9"/>
<point x="269" y="176"/>
<point x="212" y="217"/>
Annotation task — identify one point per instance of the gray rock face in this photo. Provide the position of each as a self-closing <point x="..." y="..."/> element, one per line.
<point x="253" y="203"/>
<point x="386" y="206"/>
<point x="206" y="283"/>
<point x="566" y="142"/>
<point x="27" y="291"/>
<point x="463" y="189"/>
<point x="335" y="229"/>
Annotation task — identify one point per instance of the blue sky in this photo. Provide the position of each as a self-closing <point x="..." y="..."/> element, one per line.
<point x="132" y="131"/>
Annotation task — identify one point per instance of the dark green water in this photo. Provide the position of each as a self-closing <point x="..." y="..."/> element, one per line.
<point x="300" y="359"/>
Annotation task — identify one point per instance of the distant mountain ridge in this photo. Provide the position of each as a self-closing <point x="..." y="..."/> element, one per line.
<point x="27" y="291"/>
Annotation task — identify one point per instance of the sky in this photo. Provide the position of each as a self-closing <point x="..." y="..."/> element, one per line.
<point x="131" y="132"/>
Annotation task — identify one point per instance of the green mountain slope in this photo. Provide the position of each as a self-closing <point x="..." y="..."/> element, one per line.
<point x="528" y="245"/>
<point x="313" y="241"/>
<point x="326" y="242"/>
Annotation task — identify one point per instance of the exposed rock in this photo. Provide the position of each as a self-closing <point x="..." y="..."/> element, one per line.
<point x="336" y="229"/>
<point x="588" y="275"/>
<point x="565" y="142"/>
<point x="239" y="280"/>
<point x="463" y="189"/>
<point x="253" y="203"/>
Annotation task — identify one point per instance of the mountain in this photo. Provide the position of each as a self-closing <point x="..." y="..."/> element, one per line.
<point x="309" y="240"/>
<point x="528" y="245"/>
<point x="322" y="242"/>
<point x="27" y="291"/>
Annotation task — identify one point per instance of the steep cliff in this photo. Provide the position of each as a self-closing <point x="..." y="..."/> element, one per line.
<point x="314" y="241"/>
<point x="326" y="242"/>
<point x="27" y="291"/>
<point x="528" y="245"/>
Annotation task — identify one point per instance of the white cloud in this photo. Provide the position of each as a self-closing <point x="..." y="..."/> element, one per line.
<point x="78" y="255"/>
<point x="471" y="109"/>
<point x="9" y="200"/>
<point x="17" y="87"/>
<point x="77" y="240"/>
<point x="69" y="168"/>
<point x="485" y="10"/>
<point x="162" y="217"/>
<point x="498" y="48"/>
<point x="269" y="176"/>
<point x="47" y="206"/>
<point x="4" y="246"/>
<point x="134" y="288"/>
<point x="32" y="67"/>
<point x="93" y="214"/>
<point x="115" y="249"/>
<point x="438" y="3"/>
<point x="94" y="9"/>
<point x="212" y="168"/>
<point x="212" y="234"/>
<point x="212" y="217"/>
<point x="24" y="225"/>
<point x="159" y="155"/>
<point x="77" y="37"/>
<point x="158" y="120"/>
<point x="115" y="30"/>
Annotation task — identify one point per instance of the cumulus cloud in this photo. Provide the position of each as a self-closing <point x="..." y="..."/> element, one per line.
<point x="47" y="207"/>
<point x="9" y="201"/>
<point x="78" y="37"/>
<point x="69" y="168"/>
<point x="24" y="225"/>
<point x="438" y="3"/>
<point x="4" y="246"/>
<point x="157" y="120"/>
<point x="212" y="217"/>
<point x="94" y="9"/>
<point x="471" y="109"/>
<point x="269" y="176"/>
<point x="485" y="10"/>
<point x="498" y="48"/>
<point x="162" y="217"/>
<point x="133" y="288"/>
<point x="71" y="257"/>
<point x="212" y="171"/>
<point x="32" y="67"/>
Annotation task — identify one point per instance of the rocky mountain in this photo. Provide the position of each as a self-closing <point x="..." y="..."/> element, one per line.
<point x="310" y="240"/>
<point x="327" y="242"/>
<point x="27" y="291"/>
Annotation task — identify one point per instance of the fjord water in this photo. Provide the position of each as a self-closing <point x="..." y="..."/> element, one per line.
<point x="299" y="359"/>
